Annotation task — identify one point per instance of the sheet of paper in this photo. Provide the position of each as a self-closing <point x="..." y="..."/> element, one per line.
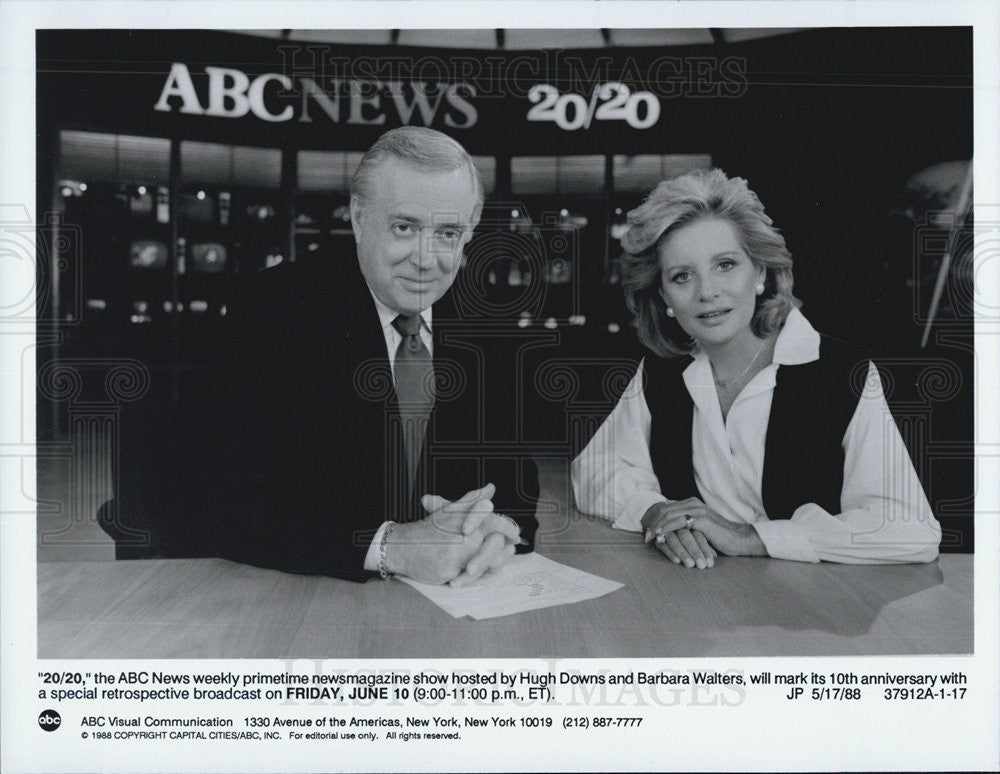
<point x="525" y="582"/>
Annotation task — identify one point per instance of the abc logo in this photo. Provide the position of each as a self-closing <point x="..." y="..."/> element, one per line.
<point x="49" y="720"/>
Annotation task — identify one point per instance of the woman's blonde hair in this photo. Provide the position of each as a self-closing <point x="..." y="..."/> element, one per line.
<point x="676" y="203"/>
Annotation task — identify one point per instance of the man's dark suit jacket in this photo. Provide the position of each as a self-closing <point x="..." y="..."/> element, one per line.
<point x="285" y="451"/>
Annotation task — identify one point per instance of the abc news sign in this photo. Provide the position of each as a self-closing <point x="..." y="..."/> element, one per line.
<point x="278" y="98"/>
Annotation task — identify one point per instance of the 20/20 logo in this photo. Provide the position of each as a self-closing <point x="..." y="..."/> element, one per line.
<point x="49" y="720"/>
<point x="608" y="102"/>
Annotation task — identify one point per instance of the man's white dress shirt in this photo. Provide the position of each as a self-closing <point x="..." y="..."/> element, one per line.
<point x="392" y="341"/>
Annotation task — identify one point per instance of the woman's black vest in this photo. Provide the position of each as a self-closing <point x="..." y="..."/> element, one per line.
<point x="811" y="408"/>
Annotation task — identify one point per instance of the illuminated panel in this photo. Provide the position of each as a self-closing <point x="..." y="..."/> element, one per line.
<point x="147" y="254"/>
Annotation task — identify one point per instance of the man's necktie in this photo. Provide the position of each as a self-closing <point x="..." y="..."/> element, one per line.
<point x="414" y="388"/>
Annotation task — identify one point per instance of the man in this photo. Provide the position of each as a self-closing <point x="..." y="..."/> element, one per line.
<point x="349" y="411"/>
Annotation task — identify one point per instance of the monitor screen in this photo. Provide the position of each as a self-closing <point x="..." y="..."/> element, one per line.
<point x="209" y="257"/>
<point x="147" y="254"/>
<point x="197" y="208"/>
<point x="140" y="202"/>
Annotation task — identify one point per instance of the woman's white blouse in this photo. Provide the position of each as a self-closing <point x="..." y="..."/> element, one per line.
<point x="886" y="516"/>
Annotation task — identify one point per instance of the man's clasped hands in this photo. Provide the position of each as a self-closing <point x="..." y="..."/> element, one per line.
<point x="455" y="543"/>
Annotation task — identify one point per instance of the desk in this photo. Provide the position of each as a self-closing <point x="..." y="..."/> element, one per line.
<point x="211" y="608"/>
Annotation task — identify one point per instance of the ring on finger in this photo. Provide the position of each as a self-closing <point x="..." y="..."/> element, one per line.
<point x="688" y="521"/>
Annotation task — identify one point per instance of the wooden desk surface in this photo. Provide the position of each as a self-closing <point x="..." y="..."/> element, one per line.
<point x="210" y="608"/>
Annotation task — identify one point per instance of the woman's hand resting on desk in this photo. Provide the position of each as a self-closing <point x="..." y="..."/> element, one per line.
<point x="680" y="544"/>
<point x="689" y="532"/>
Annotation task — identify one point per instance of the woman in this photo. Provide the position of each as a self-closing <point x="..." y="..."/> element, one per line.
<point x="744" y="432"/>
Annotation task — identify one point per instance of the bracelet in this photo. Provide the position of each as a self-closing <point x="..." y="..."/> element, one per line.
<point x="383" y="544"/>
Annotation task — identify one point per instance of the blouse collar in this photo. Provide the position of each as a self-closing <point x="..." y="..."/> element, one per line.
<point x="797" y="343"/>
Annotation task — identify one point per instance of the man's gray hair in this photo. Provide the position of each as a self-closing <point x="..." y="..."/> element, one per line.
<point x="424" y="148"/>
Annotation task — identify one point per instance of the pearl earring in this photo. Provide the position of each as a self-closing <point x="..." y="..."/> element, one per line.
<point x="670" y="312"/>
<point x="759" y="287"/>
